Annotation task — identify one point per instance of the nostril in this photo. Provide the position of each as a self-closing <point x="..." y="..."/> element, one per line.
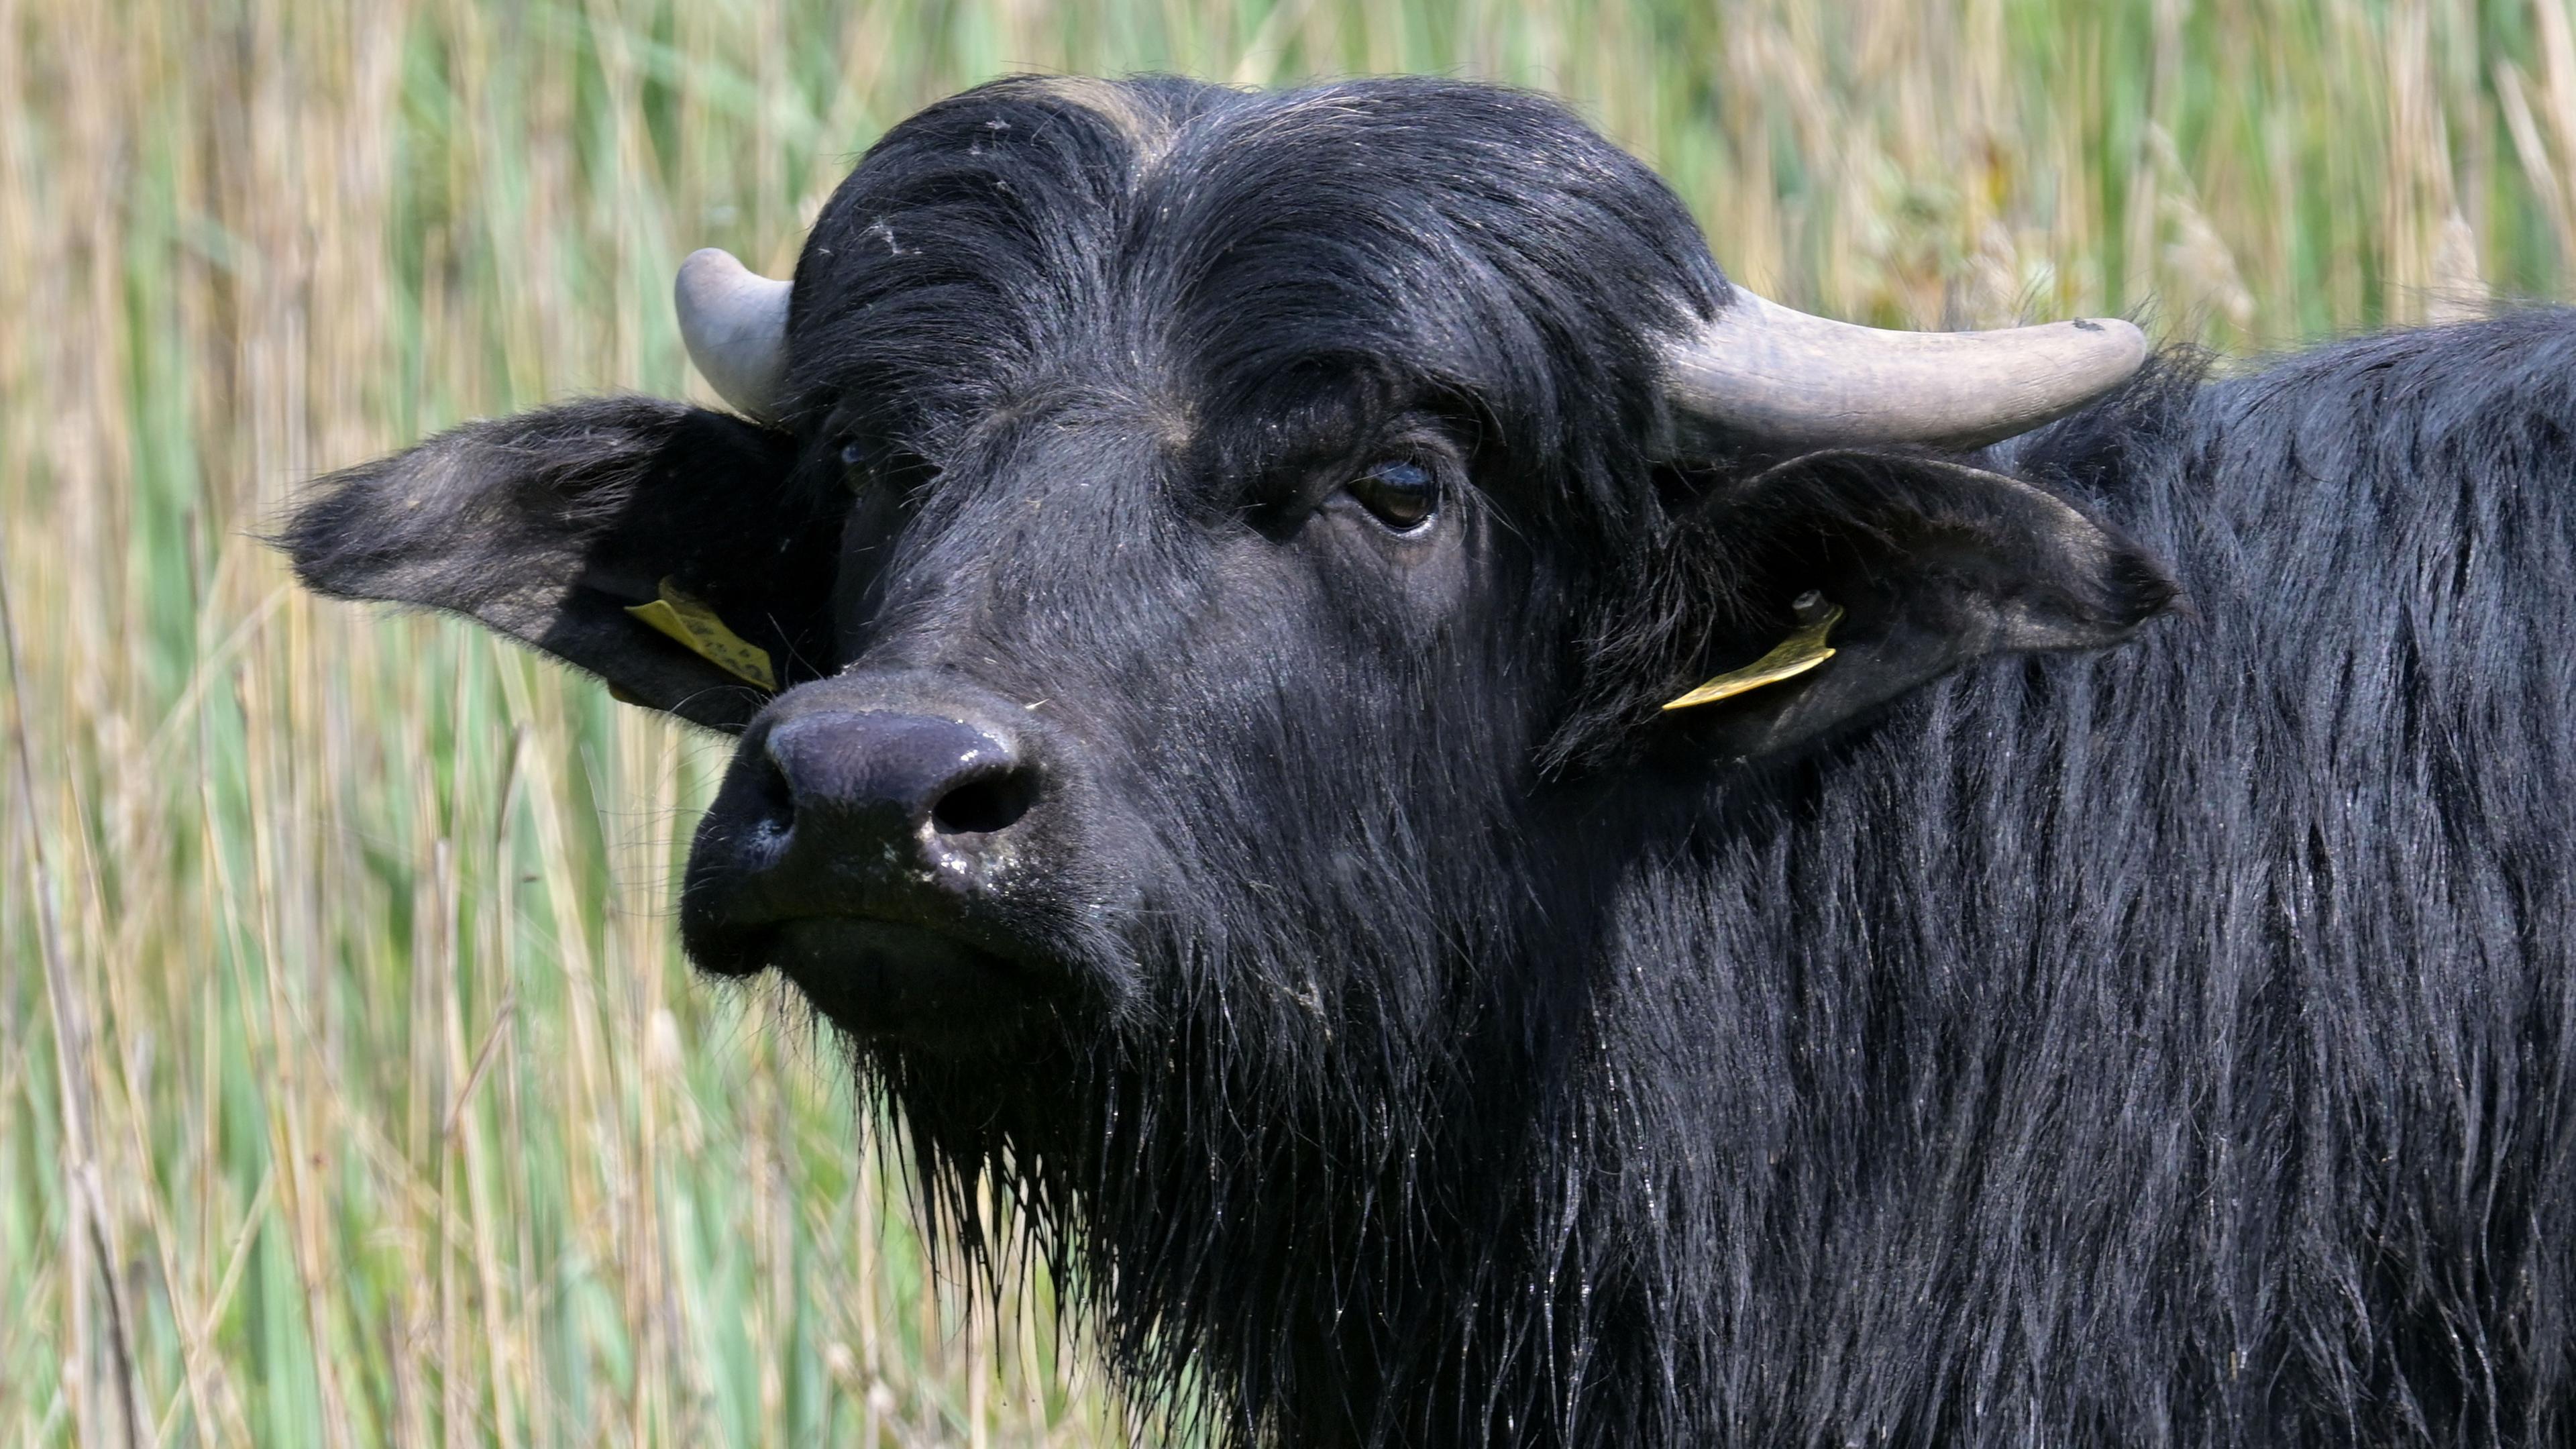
<point x="768" y="800"/>
<point x="985" y="803"/>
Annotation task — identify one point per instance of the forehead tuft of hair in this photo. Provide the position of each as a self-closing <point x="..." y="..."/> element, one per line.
<point x="1127" y="109"/>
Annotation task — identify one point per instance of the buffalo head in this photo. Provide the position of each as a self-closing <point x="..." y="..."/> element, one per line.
<point x="1194" y="575"/>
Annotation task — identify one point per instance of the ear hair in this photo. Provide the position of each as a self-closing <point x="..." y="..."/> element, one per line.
<point x="551" y="526"/>
<point x="1936" y="563"/>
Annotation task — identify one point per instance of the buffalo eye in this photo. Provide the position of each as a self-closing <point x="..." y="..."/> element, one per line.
<point x="1400" y="494"/>
<point x="858" y="463"/>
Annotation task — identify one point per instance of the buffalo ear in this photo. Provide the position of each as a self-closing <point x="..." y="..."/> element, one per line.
<point x="551" y="526"/>
<point x="1934" y="564"/>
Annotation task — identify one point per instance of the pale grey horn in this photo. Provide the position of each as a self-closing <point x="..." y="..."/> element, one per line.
<point x="1777" y="375"/>
<point x="735" y="323"/>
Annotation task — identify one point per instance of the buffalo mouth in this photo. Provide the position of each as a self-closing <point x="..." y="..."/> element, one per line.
<point x="889" y="981"/>
<point x="886" y="979"/>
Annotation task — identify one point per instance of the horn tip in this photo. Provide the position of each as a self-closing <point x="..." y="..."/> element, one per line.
<point x="709" y="272"/>
<point x="2117" y="336"/>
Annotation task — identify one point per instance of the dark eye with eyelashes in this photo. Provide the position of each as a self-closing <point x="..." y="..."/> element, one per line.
<point x="1399" y="493"/>
<point x="868" y="464"/>
<point x="877" y="468"/>
<point x="858" y="463"/>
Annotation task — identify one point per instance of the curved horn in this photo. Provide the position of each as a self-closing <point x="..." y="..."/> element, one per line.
<point x="1781" y="375"/>
<point x="735" y="323"/>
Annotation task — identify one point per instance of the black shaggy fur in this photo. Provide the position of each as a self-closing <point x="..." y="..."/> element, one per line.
<point x="2123" y="999"/>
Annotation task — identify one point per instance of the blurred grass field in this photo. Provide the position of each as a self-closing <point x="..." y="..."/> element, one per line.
<point x="352" y="1089"/>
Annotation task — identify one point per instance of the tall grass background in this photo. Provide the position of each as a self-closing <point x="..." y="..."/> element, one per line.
<point x="351" y="1087"/>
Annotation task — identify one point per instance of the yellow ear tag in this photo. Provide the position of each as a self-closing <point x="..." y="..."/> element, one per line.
<point x="686" y="618"/>
<point x="1803" y="650"/>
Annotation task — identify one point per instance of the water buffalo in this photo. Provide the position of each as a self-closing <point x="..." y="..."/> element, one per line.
<point x="1198" y="576"/>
